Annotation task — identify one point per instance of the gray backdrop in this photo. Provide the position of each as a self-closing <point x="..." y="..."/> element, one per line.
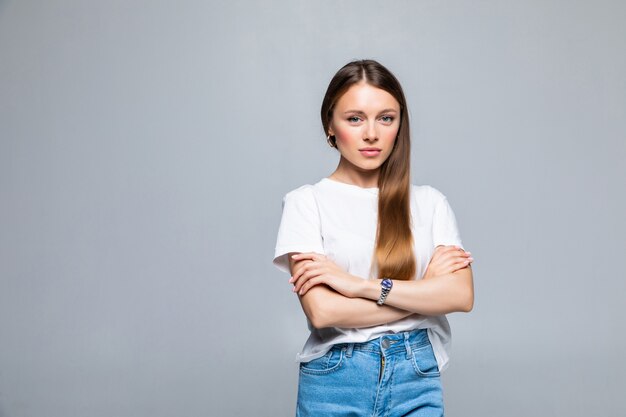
<point x="145" y="148"/>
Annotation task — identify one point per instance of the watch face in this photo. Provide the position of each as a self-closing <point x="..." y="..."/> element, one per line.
<point x="386" y="283"/>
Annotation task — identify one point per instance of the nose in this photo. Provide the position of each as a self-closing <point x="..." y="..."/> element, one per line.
<point x="370" y="132"/>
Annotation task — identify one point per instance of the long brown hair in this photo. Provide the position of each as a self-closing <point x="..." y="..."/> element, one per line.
<point x="394" y="254"/>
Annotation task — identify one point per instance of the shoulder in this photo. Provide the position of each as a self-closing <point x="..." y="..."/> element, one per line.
<point x="302" y="192"/>
<point x="302" y="196"/>
<point x="427" y="193"/>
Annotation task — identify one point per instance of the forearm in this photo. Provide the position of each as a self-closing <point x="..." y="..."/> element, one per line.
<point x="435" y="296"/>
<point x="327" y="308"/>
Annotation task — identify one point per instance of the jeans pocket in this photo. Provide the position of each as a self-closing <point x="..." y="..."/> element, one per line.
<point x="326" y="364"/>
<point x="424" y="361"/>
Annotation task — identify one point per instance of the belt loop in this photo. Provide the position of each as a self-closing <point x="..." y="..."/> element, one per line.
<point x="349" y="350"/>
<point x="407" y="345"/>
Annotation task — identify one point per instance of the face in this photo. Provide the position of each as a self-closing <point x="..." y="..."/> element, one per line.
<point x="365" y="117"/>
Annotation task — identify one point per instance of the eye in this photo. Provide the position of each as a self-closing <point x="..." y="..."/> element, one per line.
<point x="387" y="119"/>
<point x="354" y="119"/>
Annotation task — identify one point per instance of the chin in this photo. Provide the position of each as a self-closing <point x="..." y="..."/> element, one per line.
<point x="369" y="167"/>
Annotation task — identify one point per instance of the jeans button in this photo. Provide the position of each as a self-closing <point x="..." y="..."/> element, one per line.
<point x="385" y="343"/>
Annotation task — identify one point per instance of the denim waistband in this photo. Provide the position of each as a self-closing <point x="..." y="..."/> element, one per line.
<point x="389" y="344"/>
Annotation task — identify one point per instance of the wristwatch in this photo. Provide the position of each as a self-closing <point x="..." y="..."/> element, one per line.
<point x="385" y="287"/>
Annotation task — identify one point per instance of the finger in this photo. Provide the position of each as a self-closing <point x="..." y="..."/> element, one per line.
<point x="307" y="275"/>
<point x="299" y="269"/>
<point x="455" y="248"/>
<point x="443" y="257"/>
<point x="461" y="264"/>
<point x="464" y="252"/>
<point x="308" y="255"/>
<point x="456" y="255"/>
<point x="466" y="256"/>
<point x="446" y="250"/>
<point x="307" y="283"/>
<point x="450" y="265"/>
<point x="310" y="283"/>
<point x="300" y="279"/>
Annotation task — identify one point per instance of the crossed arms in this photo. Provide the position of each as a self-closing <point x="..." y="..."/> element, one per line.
<point x="331" y="297"/>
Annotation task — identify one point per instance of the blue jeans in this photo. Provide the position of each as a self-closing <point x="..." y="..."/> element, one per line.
<point x="393" y="375"/>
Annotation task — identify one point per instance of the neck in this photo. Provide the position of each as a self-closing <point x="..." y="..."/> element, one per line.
<point x="350" y="175"/>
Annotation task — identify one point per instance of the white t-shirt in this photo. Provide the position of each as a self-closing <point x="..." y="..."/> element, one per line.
<point x="339" y="220"/>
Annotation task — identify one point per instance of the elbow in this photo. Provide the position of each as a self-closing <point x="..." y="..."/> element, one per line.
<point x="464" y="290"/>
<point x="317" y="322"/>
<point x="465" y="294"/>
<point x="467" y="303"/>
<point x="318" y="319"/>
<point x="467" y="306"/>
<point x="317" y="316"/>
<point x="327" y="315"/>
<point x="323" y="315"/>
<point x="319" y="308"/>
<point x="462" y="300"/>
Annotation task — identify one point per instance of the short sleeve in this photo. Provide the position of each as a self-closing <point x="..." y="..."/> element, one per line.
<point x="445" y="228"/>
<point x="299" y="229"/>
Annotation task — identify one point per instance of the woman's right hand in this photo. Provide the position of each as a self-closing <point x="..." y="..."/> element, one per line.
<point x="446" y="260"/>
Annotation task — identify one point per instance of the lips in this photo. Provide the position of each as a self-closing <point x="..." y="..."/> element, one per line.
<point x="370" y="151"/>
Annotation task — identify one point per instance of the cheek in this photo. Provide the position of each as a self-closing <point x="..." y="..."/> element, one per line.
<point x="346" y="134"/>
<point x="392" y="132"/>
<point x="390" y="135"/>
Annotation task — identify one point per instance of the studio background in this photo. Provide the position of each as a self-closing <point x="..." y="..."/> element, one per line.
<point x="145" y="148"/>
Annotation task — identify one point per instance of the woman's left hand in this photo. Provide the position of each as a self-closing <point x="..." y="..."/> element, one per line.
<point x="321" y="270"/>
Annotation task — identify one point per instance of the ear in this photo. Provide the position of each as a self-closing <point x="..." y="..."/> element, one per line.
<point x="331" y="132"/>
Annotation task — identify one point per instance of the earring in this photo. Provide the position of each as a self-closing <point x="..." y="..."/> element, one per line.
<point x="331" y="142"/>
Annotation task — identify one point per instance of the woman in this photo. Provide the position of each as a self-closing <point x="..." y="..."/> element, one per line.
<point x="376" y="261"/>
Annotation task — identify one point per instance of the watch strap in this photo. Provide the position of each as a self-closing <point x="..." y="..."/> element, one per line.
<point x="385" y="286"/>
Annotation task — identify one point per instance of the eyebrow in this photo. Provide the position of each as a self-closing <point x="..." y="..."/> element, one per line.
<point x="361" y="112"/>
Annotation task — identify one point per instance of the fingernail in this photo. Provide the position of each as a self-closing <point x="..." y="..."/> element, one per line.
<point x="290" y="279"/>
<point x="293" y="256"/>
<point x="470" y="259"/>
